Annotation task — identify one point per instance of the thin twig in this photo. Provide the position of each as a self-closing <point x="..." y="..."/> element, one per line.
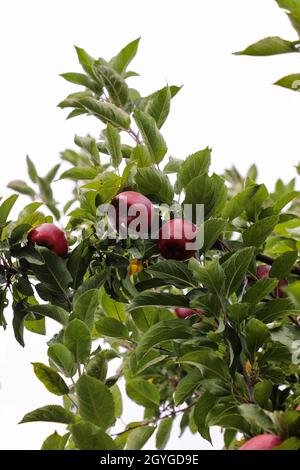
<point x="155" y="420"/>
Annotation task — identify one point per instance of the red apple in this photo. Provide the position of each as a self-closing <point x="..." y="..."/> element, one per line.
<point x="50" y="236"/>
<point x="173" y="238"/>
<point x="131" y="205"/>
<point x="263" y="271"/>
<point x="262" y="442"/>
<point x="298" y="408"/>
<point x="187" y="312"/>
<point x="279" y="292"/>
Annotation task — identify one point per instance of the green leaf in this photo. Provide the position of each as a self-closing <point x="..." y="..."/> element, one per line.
<point x="204" y="404"/>
<point x="35" y="326"/>
<point x="151" y="181"/>
<point x="125" y="56"/>
<point x="141" y="156"/>
<point x="163" y="432"/>
<point x="257" y="234"/>
<point x="149" y="299"/>
<point x="173" y="165"/>
<point x="50" y="413"/>
<point x="269" y="46"/>
<point x="85" y="306"/>
<point x="50" y="378"/>
<point x="142" y="392"/>
<point x="207" y="361"/>
<point x="289" y="4"/>
<point x="173" y="272"/>
<point x="88" y="144"/>
<point x="53" y="273"/>
<point x="81" y="79"/>
<point x="2" y="307"/>
<point x="31" y="170"/>
<point x="107" y="186"/>
<point x="85" y="60"/>
<point x="229" y="419"/>
<point x="285" y="199"/>
<point x="212" y="228"/>
<point x="151" y="135"/>
<point x="112" y="328"/>
<point x="195" y="165"/>
<point x="236" y="267"/>
<point x="286" y="334"/>
<point x="260" y="290"/>
<point x="106" y="112"/>
<point x="151" y="358"/>
<point x="117" y="396"/>
<point x="262" y="392"/>
<point x="51" y="311"/>
<point x="257" y="333"/>
<point x="212" y="276"/>
<point x="87" y="436"/>
<point x="6" y="207"/>
<point x="137" y="438"/>
<point x="240" y="202"/>
<point x="55" y="442"/>
<point x="113" y="142"/>
<point x="21" y="187"/>
<point x="62" y="359"/>
<point x="187" y="385"/>
<point x="256" y="416"/>
<point x="80" y="173"/>
<point x="126" y="149"/>
<point x="78" y="263"/>
<point x="96" y="403"/>
<point x="97" y="366"/>
<point x="292" y="443"/>
<point x="94" y="282"/>
<point x="113" y="308"/>
<point x="293" y="291"/>
<point x="207" y="190"/>
<point x="20" y="314"/>
<point x="77" y="339"/>
<point x="292" y="82"/>
<point x="282" y="266"/>
<point x="144" y="102"/>
<point x="159" y="106"/>
<point x="114" y="83"/>
<point x="275" y="310"/>
<point x="160" y="332"/>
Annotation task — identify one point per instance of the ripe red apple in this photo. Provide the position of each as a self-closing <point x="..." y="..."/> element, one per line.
<point x="188" y="312"/>
<point x="131" y="205"/>
<point x="263" y="271"/>
<point x="279" y="292"/>
<point x="173" y="238"/>
<point x="262" y="442"/>
<point x="298" y="408"/>
<point x="50" y="236"/>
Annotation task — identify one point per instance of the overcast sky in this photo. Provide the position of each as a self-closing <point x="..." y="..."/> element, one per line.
<point x="227" y="102"/>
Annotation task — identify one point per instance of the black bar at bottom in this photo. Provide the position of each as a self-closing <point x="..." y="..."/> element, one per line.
<point x="134" y="459"/>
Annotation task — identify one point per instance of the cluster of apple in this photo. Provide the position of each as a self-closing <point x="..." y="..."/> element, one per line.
<point x="172" y="239"/>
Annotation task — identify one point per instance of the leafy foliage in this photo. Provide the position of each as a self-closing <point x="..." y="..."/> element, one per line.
<point x="234" y="361"/>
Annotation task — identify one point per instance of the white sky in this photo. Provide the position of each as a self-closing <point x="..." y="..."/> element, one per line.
<point x="227" y="102"/>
